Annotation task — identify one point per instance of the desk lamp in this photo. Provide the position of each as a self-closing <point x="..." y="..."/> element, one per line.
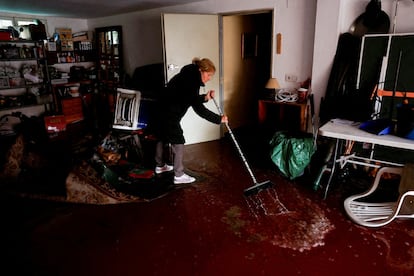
<point x="272" y="85"/>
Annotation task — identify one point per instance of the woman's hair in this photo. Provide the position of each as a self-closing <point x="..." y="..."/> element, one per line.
<point x="204" y="64"/>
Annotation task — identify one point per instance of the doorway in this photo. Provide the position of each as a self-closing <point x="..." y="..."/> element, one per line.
<point x="245" y="63"/>
<point x="246" y="52"/>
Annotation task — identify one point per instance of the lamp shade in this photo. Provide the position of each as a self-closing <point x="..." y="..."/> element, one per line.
<point x="272" y="83"/>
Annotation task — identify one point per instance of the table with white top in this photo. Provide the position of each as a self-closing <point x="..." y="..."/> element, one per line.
<point x="343" y="130"/>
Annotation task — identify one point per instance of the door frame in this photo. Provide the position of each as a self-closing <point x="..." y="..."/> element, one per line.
<point x="266" y="72"/>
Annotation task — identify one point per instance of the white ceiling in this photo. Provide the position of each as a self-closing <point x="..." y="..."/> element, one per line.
<point x="84" y="8"/>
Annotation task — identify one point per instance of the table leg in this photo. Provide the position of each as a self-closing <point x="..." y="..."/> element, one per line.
<point x="261" y="112"/>
<point x="333" y="168"/>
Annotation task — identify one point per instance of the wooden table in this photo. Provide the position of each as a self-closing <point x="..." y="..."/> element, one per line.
<point x="283" y="115"/>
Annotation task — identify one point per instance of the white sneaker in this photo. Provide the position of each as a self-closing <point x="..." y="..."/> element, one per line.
<point x="183" y="179"/>
<point x="165" y="168"/>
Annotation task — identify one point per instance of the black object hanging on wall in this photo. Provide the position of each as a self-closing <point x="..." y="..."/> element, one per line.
<point x="342" y="98"/>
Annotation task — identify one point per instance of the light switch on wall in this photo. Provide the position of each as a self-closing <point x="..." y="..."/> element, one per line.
<point x="291" y="78"/>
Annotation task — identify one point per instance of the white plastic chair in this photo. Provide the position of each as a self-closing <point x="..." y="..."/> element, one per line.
<point x="126" y="118"/>
<point x="127" y="109"/>
<point x="378" y="214"/>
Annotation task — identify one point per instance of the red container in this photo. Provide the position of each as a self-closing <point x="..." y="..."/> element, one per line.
<point x="5" y="35"/>
<point x="55" y="123"/>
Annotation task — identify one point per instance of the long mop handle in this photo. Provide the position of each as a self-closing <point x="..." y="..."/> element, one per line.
<point x="236" y="143"/>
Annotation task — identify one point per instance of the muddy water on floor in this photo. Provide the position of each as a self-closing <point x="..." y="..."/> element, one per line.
<point x="298" y="226"/>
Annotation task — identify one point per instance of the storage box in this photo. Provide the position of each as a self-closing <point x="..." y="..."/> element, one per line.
<point x="55" y="123"/>
<point x="82" y="36"/>
<point x="72" y="109"/>
<point x="64" y="33"/>
<point x="66" y="41"/>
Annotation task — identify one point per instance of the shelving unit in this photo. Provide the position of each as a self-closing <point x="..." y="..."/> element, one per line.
<point x="71" y="64"/>
<point x="110" y="70"/>
<point x="24" y="80"/>
<point x="83" y="51"/>
<point x="110" y="61"/>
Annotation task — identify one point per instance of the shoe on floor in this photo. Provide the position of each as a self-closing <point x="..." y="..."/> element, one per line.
<point x="184" y="179"/>
<point x="165" y="168"/>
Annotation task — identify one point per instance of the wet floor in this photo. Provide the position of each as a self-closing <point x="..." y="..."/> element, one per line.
<point x="208" y="228"/>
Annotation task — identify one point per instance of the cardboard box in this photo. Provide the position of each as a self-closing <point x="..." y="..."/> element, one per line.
<point x="64" y="33"/>
<point x="65" y="37"/>
<point x="82" y="36"/>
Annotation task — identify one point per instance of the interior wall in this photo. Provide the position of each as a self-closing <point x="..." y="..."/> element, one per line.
<point x="309" y="28"/>
<point x="294" y="19"/>
<point x="295" y="22"/>
<point x="327" y="30"/>
<point x="142" y="37"/>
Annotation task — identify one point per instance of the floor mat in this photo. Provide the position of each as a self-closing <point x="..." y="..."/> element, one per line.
<point x="85" y="185"/>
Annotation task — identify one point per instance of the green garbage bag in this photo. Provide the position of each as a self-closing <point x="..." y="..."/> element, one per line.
<point x="291" y="153"/>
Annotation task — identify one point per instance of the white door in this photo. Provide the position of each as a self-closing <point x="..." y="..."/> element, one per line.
<point x="187" y="36"/>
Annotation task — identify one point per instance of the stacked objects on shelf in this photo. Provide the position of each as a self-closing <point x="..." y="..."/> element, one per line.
<point x="21" y="74"/>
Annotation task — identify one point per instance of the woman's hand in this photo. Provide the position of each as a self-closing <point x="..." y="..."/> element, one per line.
<point x="209" y="95"/>
<point x="224" y="119"/>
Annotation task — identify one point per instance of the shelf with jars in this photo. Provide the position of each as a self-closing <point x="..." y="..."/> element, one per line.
<point x="83" y="51"/>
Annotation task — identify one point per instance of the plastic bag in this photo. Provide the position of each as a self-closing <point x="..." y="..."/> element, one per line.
<point x="291" y="154"/>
